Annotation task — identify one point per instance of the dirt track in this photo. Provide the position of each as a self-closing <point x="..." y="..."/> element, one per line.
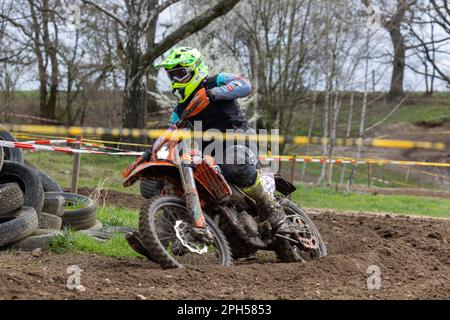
<point x="413" y="255"/>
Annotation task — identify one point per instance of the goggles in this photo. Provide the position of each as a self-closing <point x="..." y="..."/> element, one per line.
<point x="180" y="74"/>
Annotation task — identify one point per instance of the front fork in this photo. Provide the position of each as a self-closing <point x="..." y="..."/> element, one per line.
<point x="189" y="186"/>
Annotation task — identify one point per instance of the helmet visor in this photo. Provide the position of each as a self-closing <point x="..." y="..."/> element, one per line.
<point x="180" y="74"/>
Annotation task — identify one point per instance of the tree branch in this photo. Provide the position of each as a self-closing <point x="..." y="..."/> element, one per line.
<point x="430" y="58"/>
<point x="108" y="13"/>
<point x="191" y="27"/>
<point x="164" y="6"/>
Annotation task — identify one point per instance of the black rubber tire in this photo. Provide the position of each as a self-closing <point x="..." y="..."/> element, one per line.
<point x="48" y="183"/>
<point x="97" y="226"/>
<point x="39" y="239"/>
<point x="286" y="252"/>
<point x="27" y="180"/>
<point x="49" y="221"/>
<point x="135" y="242"/>
<point x="10" y="154"/>
<point x="150" y="188"/>
<point x="150" y="240"/>
<point x="81" y="218"/>
<point x="54" y="204"/>
<point x="85" y="225"/>
<point x="19" y="225"/>
<point x="11" y="198"/>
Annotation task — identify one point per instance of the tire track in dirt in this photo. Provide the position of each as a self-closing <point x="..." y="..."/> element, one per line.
<point x="413" y="256"/>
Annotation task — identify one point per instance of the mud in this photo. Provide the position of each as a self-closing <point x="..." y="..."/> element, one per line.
<point x="413" y="255"/>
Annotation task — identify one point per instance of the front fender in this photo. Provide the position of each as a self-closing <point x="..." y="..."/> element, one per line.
<point x="152" y="169"/>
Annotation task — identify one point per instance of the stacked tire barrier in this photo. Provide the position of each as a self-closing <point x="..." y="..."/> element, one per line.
<point x="33" y="207"/>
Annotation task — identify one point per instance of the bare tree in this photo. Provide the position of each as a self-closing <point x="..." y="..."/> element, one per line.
<point x="435" y="15"/>
<point x="274" y="39"/>
<point x="35" y="24"/>
<point x="136" y="25"/>
<point x="392" y="19"/>
<point x="341" y="58"/>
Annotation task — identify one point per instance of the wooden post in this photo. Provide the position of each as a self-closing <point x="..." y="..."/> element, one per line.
<point x="369" y="175"/>
<point x="407" y="174"/>
<point x="292" y="177"/>
<point x="76" y="167"/>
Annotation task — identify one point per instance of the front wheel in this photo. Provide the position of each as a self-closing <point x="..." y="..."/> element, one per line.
<point x="167" y="233"/>
<point x="312" y="247"/>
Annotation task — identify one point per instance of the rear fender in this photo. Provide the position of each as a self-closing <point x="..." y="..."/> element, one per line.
<point x="157" y="170"/>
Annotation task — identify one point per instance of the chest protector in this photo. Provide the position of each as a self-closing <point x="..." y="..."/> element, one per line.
<point x="220" y="114"/>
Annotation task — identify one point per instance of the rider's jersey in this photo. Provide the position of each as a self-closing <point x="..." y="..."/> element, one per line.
<point x="224" y="112"/>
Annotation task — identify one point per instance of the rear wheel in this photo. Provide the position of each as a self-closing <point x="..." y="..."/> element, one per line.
<point x="167" y="234"/>
<point x="309" y="244"/>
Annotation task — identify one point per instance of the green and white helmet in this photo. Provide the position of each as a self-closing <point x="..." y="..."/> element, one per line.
<point x="186" y="69"/>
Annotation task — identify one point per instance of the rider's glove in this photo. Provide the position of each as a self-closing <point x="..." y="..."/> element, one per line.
<point x="210" y="94"/>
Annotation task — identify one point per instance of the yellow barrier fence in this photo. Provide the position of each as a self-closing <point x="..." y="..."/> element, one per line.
<point x="153" y="134"/>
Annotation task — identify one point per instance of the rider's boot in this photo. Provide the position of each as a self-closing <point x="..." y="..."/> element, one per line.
<point x="135" y="242"/>
<point x="268" y="205"/>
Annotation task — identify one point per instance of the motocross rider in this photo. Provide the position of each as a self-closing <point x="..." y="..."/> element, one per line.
<point x="188" y="74"/>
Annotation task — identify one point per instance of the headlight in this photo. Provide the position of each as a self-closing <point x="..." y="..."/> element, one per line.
<point x="163" y="152"/>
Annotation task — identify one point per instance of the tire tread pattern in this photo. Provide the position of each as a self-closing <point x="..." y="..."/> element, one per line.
<point x="152" y="243"/>
<point x="11" y="198"/>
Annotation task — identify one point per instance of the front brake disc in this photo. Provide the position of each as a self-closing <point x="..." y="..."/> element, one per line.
<point x="181" y="228"/>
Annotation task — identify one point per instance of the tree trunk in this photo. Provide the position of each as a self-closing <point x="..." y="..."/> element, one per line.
<point x="348" y="132"/>
<point x="310" y="129"/>
<point x="150" y="101"/>
<point x="396" y="92"/>
<point x="133" y="108"/>
<point x="50" y="50"/>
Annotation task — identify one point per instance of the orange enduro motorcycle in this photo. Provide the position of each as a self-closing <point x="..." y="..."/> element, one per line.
<point x="199" y="218"/>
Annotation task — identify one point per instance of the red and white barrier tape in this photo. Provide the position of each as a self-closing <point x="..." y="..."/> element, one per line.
<point x="31" y="146"/>
<point x="43" y="146"/>
<point x="92" y="146"/>
<point x="49" y="142"/>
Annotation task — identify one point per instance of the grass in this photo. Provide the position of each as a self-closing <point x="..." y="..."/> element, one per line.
<point x="122" y="217"/>
<point x="75" y="205"/>
<point x="95" y="169"/>
<point x="317" y="197"/>
<point x="117" y="246"/>
<point x="423" y="111"/>
<point x="72" y="241"/>
<point x="382" y="176"/>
